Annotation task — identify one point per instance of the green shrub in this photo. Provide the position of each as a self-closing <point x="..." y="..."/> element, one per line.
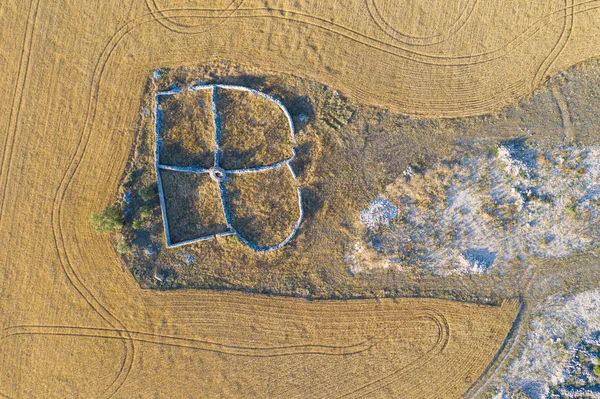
<point x="145" y="212"/>
<point x="130" y="178"/>
<point x="493" y="150"/>
<point x="123" y="246"/>
<point x="147" y="193"/>
<point x="570" y="210"/>
<point x="335" y="111"/>
<point x="110" y="219"/>
<point x="597" y="370"/>
<point x="138" y="224"/>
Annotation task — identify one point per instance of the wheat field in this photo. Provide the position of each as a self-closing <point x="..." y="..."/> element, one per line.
<point x="76" y="325"/>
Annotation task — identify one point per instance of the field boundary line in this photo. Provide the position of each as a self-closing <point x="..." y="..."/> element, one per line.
<point x="505" y="350"/>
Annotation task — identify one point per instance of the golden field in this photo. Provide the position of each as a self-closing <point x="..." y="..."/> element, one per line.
<point x="74" y="324"/>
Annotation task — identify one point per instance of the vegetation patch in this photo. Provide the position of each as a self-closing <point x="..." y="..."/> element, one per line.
<point x="187" y="129"/>
<point x="264" y="206"/>
<point x="469" y="215"/>
<point x="254" y="131"/>
<point x="193" y="205"/>
<point x="560" y="350"/>
<point x="108" y="220"/>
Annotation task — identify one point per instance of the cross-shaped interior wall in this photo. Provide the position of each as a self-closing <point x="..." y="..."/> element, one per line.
<point x="217" y="173"/>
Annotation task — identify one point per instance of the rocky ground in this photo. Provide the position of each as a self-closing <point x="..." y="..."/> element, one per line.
<point x="467" y="216"/>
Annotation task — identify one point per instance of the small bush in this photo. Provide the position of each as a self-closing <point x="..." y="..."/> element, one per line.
<point x="493" y="150"/>
<point x="148" y="193"/>
<point x="138" y="224"/>
<point x="145" y="212"/>
<point x="597" y="370"/>
<point x="335" y="112"/>
<point x="570" y="211"/>
<point x="130" y="178"/>
<point x="123" y="246"/>
<point x="109" y="220"/>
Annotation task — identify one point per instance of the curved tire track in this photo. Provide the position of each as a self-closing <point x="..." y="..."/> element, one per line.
<point x="190" y="343"/>
<point x="412" y="40"/>
<point x="560" y="45"/>
<point x="179" y="27"/>
<point x="13" y="119"/>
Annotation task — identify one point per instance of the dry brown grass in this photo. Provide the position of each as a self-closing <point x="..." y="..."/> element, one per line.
<point x="264" y="205"/>
<point x="193" y="205"/>
<point x="75" y="325"/>
<point x="187" y="129"/>
<point x="254" y="131"/>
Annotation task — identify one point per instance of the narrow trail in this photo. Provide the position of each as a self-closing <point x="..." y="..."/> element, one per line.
<point x="569" y="18"/>
<point x="565" y="116"/>
<point x="503" y="354"/>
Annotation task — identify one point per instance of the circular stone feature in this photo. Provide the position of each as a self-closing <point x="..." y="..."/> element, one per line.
<point x="217" y="174"/>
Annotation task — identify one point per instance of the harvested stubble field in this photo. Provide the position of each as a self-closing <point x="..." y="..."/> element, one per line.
<point x="75" y="325"/>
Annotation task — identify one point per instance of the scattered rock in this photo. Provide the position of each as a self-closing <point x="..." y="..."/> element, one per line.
<point x="188" y="258"/>
<point x="380" y="212"/>
<point x="490" y="211"/>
